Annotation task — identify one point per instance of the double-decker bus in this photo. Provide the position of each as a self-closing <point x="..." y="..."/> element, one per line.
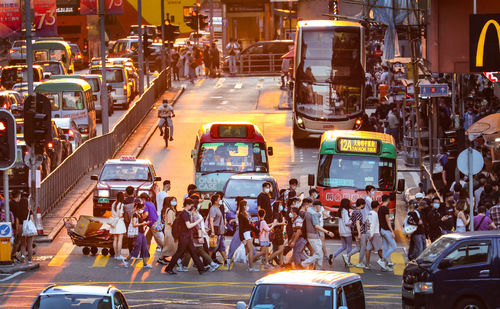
<point x="329" y="72"/>
<point x="351" y="160"/>
<point x="223" y="149"/>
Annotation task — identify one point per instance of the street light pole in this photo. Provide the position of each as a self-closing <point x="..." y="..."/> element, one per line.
<point x="211" y="3"/>
<point x="139" y="48"/>
<point x="104" y="88"/>
<point x="163" y="60"/>
<point x="29" y="48"/>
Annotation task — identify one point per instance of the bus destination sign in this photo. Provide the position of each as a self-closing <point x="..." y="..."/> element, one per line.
<point x="354" y="145"/>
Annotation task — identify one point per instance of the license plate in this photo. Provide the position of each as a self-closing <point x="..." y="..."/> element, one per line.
<point x="103" y="200"/>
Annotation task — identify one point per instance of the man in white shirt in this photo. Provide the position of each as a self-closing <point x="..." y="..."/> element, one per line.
<point x="161" y="196"/>
<point x="232" y="49"/>
<point x="370" y="194"/>
<point x="374" y="240"/>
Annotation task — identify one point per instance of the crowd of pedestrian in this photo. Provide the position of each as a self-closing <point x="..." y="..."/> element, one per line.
<point x="193" y="61"/>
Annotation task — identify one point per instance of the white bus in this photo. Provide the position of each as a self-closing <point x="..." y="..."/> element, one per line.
<point x="329" y="71"/>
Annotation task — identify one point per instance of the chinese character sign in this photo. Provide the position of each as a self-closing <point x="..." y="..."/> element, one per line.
<point x="10" y="17"/>
<point x="88" y="7"/>
<point x="114" y="7"/>
<point x="45" y="17"/>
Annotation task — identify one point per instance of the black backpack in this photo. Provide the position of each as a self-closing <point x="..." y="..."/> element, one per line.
<point x="177" y="226"/>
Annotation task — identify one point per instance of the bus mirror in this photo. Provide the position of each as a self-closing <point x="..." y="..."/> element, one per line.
<point x="94" y="177"/>
<point x="310" y="180"/>
<point x="157" y="178"/>
<point x="270" y="151"/>
<point x="193" y="153"/>
<point x="401" y="185"/>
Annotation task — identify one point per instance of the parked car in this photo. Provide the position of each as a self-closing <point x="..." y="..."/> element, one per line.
<point x="12" y="100"/>
<point x="53" y="67"/>
<point x="14" y="74"/>
<point x="316" y="289"/>
<point x="262" y="56"/>
<point x="77" y="54"/>
<point x="70" y="131"/>
<point x="458" y="271"/>
<point x="91" y="297"/>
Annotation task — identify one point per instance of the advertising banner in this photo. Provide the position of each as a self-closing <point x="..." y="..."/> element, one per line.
<point x="10" y="17"/>
<point x="88" y="7"/>
<point x="114" y="7"/>
<point x="45" y="17"/>
<point x="484" y="45"/>
<point x="68" y="7"/>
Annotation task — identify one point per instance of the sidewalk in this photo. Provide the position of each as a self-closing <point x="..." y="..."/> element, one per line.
<point x="53" y="221"/>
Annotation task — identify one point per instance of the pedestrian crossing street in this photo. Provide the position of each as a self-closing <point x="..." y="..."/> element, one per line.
<point x="250" y="82"/>
<point x="69" y="253"/>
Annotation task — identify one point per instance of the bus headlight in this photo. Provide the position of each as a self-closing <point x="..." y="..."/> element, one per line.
<point x="300" y="122"/>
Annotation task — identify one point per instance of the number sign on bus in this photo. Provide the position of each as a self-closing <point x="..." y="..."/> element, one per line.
<point x="358" y="145"/>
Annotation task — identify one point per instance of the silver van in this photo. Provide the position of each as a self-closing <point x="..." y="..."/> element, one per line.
<point x="117" y="78"/>
<point x="296" y="289"/>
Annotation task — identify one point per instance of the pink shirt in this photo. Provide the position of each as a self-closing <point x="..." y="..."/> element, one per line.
<point x="264" y="231"/>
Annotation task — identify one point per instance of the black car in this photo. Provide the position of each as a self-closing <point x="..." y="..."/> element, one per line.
<point x="263" y="56"/>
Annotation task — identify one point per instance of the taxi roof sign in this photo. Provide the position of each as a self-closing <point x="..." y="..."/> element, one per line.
<point x="127" y="158"/>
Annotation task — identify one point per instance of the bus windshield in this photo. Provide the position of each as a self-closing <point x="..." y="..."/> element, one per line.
<point x="330" y="73"/>
<point x="356" y="172"/>
<point x="232" y="157"/>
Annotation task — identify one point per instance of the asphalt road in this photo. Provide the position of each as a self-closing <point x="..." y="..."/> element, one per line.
<point x="252" y="99"/>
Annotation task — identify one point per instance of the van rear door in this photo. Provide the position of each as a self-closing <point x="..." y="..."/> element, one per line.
<point x="466" y="270"/>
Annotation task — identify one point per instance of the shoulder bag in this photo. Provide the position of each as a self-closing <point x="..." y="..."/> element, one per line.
<point x="29" y="228"/>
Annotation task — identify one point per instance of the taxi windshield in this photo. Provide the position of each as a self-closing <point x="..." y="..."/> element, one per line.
<point x="126" y="172"/>
<point x="232" y="157"/>
<point x="245" y="188"/>
<point x="291" y="297"/>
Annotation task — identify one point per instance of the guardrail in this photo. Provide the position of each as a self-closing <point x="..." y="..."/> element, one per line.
<point x="95" y="151"/>
<point x="263" y="63"/>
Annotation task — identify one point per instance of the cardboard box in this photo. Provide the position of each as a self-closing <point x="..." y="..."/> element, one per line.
<point x="86" y="225"/>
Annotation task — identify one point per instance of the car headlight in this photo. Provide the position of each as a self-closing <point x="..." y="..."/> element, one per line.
<point x="423" y="288"/>
<point x="143" y="191"/>
<point x="300" y="122"/>
<point x="103" y="193"/>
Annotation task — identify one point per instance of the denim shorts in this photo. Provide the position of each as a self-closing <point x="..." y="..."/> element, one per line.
<point x="264" y="244"/>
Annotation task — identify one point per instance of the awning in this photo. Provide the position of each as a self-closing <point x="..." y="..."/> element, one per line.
<point x="487" y="125"/>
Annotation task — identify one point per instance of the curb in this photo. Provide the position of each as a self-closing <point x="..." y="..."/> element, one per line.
<point x="11" y="269"/>
<point x="85" y="196"/>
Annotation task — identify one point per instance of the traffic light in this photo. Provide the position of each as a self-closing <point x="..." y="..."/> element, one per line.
<point x="202" y="21"/>
<point x="37" y="121"/>
<point x="7" y="139"/>
<point x="171" y="31"/>
<point x="333" y="6"/>
<point x="146" y="45"/>
<point x="191" y="21"/>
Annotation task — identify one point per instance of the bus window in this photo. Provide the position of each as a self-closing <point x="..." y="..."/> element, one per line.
<point x="232" y="157"/>
<point x="356" y="172"/>
<point x="72" y="100"/>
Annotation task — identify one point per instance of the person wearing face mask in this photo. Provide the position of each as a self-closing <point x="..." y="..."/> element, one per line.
<point x="140" y="249"/>
<point x="245" y="233"/>
<point x="217" y="226"/>
<point x="433" y="220"/>
<point x="417" y="240"/>
<point x="264" y="202"/>
<point x="168" y="215"/>
<point x="292" y="190"/>
<point x="313" y="194"/>
<point x="277" y="239"/>
<point x="447" y="211"/>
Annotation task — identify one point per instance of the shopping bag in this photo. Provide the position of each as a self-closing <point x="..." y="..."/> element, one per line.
<point x="29" y="228"/>
<point x="240" y="255"/>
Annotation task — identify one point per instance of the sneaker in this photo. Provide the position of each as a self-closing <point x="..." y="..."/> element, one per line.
<point x="214" y="268"/>
<point x="390" y="264"/>
<point x="158" y="249"/>
<point x="346" y="259"/>
<point x="368" y="267"/>
<point x="179" y="262"/>
<point x="253" y="270"/>
<point x="330" y="259"/>
<point x="162" y="261"/>
<point x="147" y="266"/>
<point x="228" y="263"/>
<point x="182" y="269"/>
<point x="170" y="272"/>
<point x="359" y="265"/>
<point x="268" y="266"/>
<point x="381" y="263"/>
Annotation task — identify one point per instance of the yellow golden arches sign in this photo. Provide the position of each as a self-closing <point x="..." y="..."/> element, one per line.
<point x="482" y="38"/>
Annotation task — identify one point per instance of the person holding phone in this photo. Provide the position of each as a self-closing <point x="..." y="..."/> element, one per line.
<point x="447" y="212"/>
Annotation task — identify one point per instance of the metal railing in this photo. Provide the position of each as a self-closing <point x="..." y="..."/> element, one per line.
<point x="262" y="63"/>
<point x="96" y="151"/>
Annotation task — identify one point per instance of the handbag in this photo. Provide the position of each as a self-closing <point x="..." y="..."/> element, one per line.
<point x="132" y="231"/>
<point x="158" y="226"/>
<point x="29" y="228"/>
<point x="213" y="241"/>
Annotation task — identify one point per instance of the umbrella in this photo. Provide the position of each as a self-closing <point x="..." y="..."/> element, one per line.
<point x="290" y="54"/>
<point x="487" y="125"/>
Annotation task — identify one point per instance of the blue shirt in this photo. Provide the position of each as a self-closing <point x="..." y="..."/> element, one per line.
<point x="152" y="215"/>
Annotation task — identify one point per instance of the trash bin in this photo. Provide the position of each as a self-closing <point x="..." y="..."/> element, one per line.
<point x="5" y="242"/>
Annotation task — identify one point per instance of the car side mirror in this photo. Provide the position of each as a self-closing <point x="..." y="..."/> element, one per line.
<point x="310" y="180"/>
<point x="270" y="151"/>
<point x="193" y="153"/>
<point x="94" y="177"/>
<point x="47" y="75"/>
<point x="445" y="263"/>
<point x="241" y="305"/>
<point x="157" y="178"/>
<point x="401" y="185"/>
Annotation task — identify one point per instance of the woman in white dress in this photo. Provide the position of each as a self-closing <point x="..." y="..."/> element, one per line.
<point x="117" y="224"/>
<point x="462" y="218"/>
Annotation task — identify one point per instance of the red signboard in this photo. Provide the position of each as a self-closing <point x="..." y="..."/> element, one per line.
<point x="88" y="7"/>
<point x="114" y="7"/>
<point x="10" y="17"/>
<point x="45" y="17"/>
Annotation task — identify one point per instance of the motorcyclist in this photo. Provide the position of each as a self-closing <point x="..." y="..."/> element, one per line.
<point x="165" y="113"/>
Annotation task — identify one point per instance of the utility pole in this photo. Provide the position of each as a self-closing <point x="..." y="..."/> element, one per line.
<point x="139" y="49"/>
<point x="211" y="3"/>
<point x="163" y="60"/>
<point x="104" y="88"/>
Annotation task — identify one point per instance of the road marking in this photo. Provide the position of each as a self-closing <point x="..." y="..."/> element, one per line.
<point x="219" y="82"/>
<point x="239" y="84"/>
<point x="399" y="263"/>
<point x="12" y="276"/>
<point x="199" y="82"/>
<point x="63" y="253"/>
<point x="355" y="260"/>
<point x="101" y="261"/>
<point x="260" y="83"/>
<point x="152" y="250"/>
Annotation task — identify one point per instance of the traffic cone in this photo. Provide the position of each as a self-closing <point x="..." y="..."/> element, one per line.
<point x="38" y="221"/>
